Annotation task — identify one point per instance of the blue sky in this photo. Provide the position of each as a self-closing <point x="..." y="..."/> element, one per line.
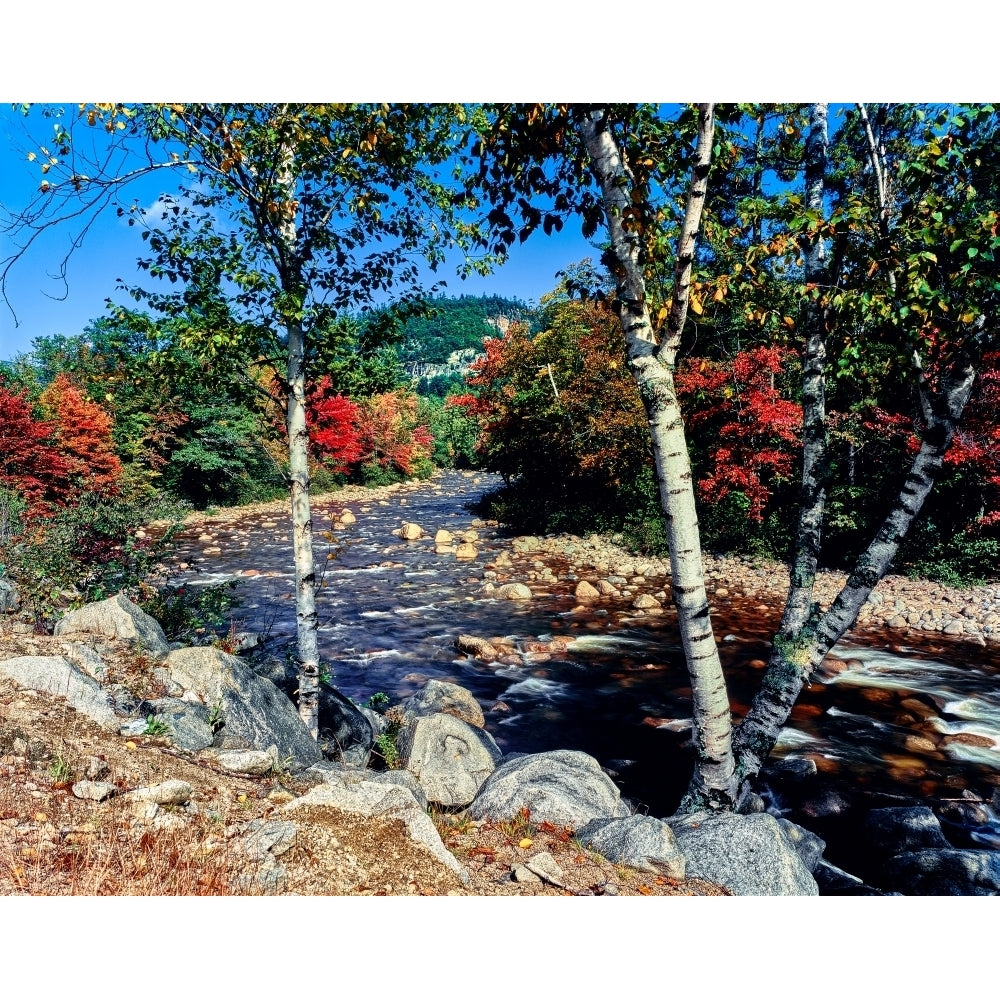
<point x="40" y="304"/>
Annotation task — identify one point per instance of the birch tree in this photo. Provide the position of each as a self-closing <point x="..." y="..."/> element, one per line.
<point x="287" y="215"/>
<point x="921" y="273"/>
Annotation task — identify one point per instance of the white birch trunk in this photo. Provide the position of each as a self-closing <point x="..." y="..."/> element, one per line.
<point x="306" y="619"/>
<point x="713" y="782"/>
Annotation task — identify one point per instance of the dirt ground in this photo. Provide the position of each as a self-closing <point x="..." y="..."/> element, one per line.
<point x="54" y="843"/>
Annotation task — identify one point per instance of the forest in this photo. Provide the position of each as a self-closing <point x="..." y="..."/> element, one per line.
<point x="786" y="341"/>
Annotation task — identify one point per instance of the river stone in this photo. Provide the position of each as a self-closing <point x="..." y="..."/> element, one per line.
<point x="586" y="591"/>
<point x="253" y="710"/>
<point x="466" y="551"/>
<point x="450" y="758"/>
<point x="645" y="602"/>
<point x="564" y="787"/>
<point x="637" y="841"/>
<point x="947" y="872"/>
<point x="346" y="517"/>
<point x="9" y="600"/>
<point x="410" y="532"/>
<point x="513" y="592"/>
<point x="369" y="798"/>
<point x="902" y="829"/>
<point x="450" y="699"/>
<point x="443" y="537"/>
<point x="749" y="855"/>
<point x="350" y="728"/>
<point x="809" y="846"/>
<point x="117" y="618"/>
<point x="479" y="648"/>
<point x="187" y="721"/>
<point x="56" y="675"/>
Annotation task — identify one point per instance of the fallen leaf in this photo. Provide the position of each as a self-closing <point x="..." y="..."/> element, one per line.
<point x="526" y="843"/>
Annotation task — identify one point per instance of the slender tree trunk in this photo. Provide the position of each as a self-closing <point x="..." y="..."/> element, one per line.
<point x="306" y="619"/>
<point x="793" y="660"/>
<point x="652" y="365"/>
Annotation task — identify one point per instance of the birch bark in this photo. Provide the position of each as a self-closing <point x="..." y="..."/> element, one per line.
<point x="306" y="618"/>
<point x="652" y="365"/>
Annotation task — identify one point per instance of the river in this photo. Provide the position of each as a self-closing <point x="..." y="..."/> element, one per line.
<point x="895" y="724"/>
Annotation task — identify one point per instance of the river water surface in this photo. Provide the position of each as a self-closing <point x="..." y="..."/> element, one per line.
<point x="900" y="724"/>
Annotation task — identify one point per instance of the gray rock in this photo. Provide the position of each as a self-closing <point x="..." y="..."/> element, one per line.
<point x="56" y="675"/>
<point x="902" y="829"/>
<point x="172" y="792"/>
<point x="187" y="722"/>
<point x="87" y="659"/>
<point x="809" y="846"/>
<point x="96" y="791"/>
<point x="337" y="773"/>
<point x="564" y="787"/>
<point x="450" y="758"/>
<point x="749" y="855"/>
<point x="545" y="867"/>
<point x="245" y="761"/>
<point x="947" y="872"/>
<point x="345" y="725"/>
<point x="451" y="699"/>
<point x="254" y="712"/>
<point x="117" y="618"/>
<point x="513" y="592"/>
<point x="521" y="873"/>
<point x="368" y="798"/>
<point x="9" y="598"/>
<point x="273" y="837"/>
<point x="95" y="769"/>
<point x="638" y="841"/>
<point x="834" y="881"/>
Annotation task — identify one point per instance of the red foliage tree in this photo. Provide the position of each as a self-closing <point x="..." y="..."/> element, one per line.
<point x="391" y="436"/>
<point x="333" y="422"/>
<point x="82" y="435"/>
<point x="30" y="464"/>
<point x="753" y="430"/>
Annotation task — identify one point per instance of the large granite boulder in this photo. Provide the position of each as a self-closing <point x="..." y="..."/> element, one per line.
<point x="368" y="798"/>
<point x="450" y="758"/>
<point x="56" y="675"/>
<point x="336" y="773"/>
<point x="564" y="787"/>
<point x="251" y="709"/>
<point x="947" y="872"/>
<point x="751" y="855"/>
<point x="638" y="841"/>
<point x="451" y="699"/>
<point x="116" y="618"/>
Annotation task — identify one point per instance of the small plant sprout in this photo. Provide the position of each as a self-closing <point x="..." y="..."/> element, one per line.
<point x="154" y="727"/>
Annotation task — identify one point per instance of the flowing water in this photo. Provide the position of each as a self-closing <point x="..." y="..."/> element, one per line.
<point x="895" y="725"/>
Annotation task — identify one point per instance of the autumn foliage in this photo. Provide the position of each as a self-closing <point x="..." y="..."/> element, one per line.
<point x="753" y="430"/>
<point x="82" y="436"/>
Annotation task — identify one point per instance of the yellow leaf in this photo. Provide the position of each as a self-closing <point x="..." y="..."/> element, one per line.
<point x="788" y="321"/>
<point x="696" y="306"/>
<point x="526" y="843"/>
<point x="662" y="314"/>
<point x="967" y="317"/>
<point x="131" y="746"/>
<point x="40" y="817"/>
